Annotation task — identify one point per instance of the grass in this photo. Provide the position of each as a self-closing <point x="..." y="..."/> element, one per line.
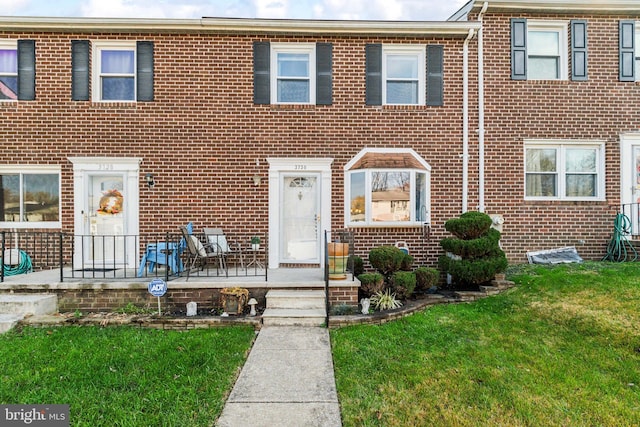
<point x="124" y="376"/>
<point x="562" y="348"/>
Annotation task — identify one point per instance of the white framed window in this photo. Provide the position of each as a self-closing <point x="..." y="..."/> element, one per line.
<point x="30" y="197"/>
<point x="294" y="79"/>
<point x="387" y="187"/>
<point x="8" y="70"/>
<point x="547" y="56"/>
<point x="114" y="71"/>
<point x="564" y="170"/>
<point x="403" y="75"/>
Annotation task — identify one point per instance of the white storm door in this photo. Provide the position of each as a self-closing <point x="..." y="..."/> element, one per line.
<point x="105" y="225"/>
<point x="106" y="212"/>
<point x="300" y="242"/>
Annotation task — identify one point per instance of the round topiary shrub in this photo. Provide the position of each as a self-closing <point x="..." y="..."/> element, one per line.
<point x="370" y="283"/>
<point x="389" y="259"/>
<point x="403" y="283"/>
<point x="470" y="225"/>
<point x="426" y="278"/>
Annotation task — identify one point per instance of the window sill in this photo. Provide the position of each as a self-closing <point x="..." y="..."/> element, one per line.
<point x="295" y="106"/>
<point x="564" y="202"/>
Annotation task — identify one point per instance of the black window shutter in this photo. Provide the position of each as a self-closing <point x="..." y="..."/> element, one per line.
<point x="578" y="50"/>
<point x="144" y="71"/>
<point x="26" y="70"/>
<point x="627" y="66"/>
<point x="80" y="70"/>
<point x="261" y="69"/>
<point x="373" y="62"/>
<point x="324" y="73"/>
<point x="518" y="49"/>
<point x="435" y="75"/>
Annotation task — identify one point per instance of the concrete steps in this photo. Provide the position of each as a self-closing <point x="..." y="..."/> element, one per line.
<point x="294" y="308"/>
<point x="15" y="307"/>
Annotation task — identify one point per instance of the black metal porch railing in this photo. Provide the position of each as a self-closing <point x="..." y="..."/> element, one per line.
<point x="118" y="257"/>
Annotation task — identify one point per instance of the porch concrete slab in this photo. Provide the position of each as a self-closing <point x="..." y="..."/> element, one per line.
<point x="288" y="380"/>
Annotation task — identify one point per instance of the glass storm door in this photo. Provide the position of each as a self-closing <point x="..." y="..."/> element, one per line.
<point x="300" y="241"/>
<point x="104" y="218"/>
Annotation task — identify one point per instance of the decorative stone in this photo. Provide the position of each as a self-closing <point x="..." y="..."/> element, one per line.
<point x="365" y="303"/>
<point x="192" y="308"/>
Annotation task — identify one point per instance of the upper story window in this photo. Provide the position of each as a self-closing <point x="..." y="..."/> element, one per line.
<point x="404" y="75"/>
<point x="114" y="71"/>
<point x="30" y="197"/>
<point x="17" y="70"/>
<point x="292" y="73"/>
<point x="294" y="80"/>
<point x="120" y="71"/>
<point x="403" y="70"/>
<point x="387" y="187"/>
<point x="539" y="50"/>
<point x="564" y="170"/>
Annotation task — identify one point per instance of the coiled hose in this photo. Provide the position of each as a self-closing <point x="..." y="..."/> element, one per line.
<point x="24" y="266"/>
<point x="620" y="248"/>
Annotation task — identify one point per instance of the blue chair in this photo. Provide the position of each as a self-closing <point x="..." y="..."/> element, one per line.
<point x="161" y="253"/>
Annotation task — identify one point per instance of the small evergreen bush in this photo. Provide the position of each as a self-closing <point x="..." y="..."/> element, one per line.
<point x="470" y="225"/>
<point x="403" y="283"/>
<point x="426" y="278"/>
<point x="389" y="259"/>
<point x="370" y="283"/>
<point x="356" y="263"/>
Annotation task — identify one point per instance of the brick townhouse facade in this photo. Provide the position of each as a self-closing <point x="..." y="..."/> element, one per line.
<point x="528" y="111"/>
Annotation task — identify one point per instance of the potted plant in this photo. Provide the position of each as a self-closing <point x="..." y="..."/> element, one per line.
<point x="255" y="243"/>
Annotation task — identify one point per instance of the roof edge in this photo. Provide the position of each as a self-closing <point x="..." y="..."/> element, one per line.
<point x="236" y="25"/>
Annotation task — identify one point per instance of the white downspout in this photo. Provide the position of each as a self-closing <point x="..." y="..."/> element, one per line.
<point x="481" y="206"/>
<point x="465" y="122"/>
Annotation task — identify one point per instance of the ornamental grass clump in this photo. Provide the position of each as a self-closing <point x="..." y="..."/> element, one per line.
<point x="385" y="301"/>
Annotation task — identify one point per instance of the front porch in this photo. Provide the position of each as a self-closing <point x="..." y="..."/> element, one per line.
<point x="105" y="293"/>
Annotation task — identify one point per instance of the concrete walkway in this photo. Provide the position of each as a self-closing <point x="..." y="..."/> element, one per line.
<point x="287" y="380"/>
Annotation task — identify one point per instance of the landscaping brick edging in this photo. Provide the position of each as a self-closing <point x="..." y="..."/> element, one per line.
<point x="410" y="307"/>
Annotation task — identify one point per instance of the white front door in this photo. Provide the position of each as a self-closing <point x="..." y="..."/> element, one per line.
<point x="106" y="212"/>
<point x="299" y="209"/>
<point x="300" y="219"/>
<point x="630" y="179"/>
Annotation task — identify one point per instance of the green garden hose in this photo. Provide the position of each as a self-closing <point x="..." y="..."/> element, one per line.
<point x="24" y="266"/>
<point x="620" y="248"/>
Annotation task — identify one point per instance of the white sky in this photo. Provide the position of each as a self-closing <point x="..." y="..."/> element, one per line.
<point x="392" y="10"/>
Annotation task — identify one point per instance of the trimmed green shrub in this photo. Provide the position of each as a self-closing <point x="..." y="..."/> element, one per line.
<point x="426" y="278"/>
<point x="486" y="245"/>
<point x="474" y="257"/>
<point x="370" y="283"/>
<point x="389" y="259"/>
<point x="470" y="225"/>
<point x="403" y="283"/>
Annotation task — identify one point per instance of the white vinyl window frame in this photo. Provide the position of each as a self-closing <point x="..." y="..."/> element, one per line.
<point x="561" y="28"/>
<point x="96" y="72"/>
<point x="561" y="147"/>
<point x="418" y="217"/>
<point x="22" y="170"/>
<point x="416" y="51"/>
<point x="10" y="45"/>
<point x="308" y="49"/>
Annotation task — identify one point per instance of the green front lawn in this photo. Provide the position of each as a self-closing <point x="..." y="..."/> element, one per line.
<point x="124" y="376"/>
<point x="560" y="349"/>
